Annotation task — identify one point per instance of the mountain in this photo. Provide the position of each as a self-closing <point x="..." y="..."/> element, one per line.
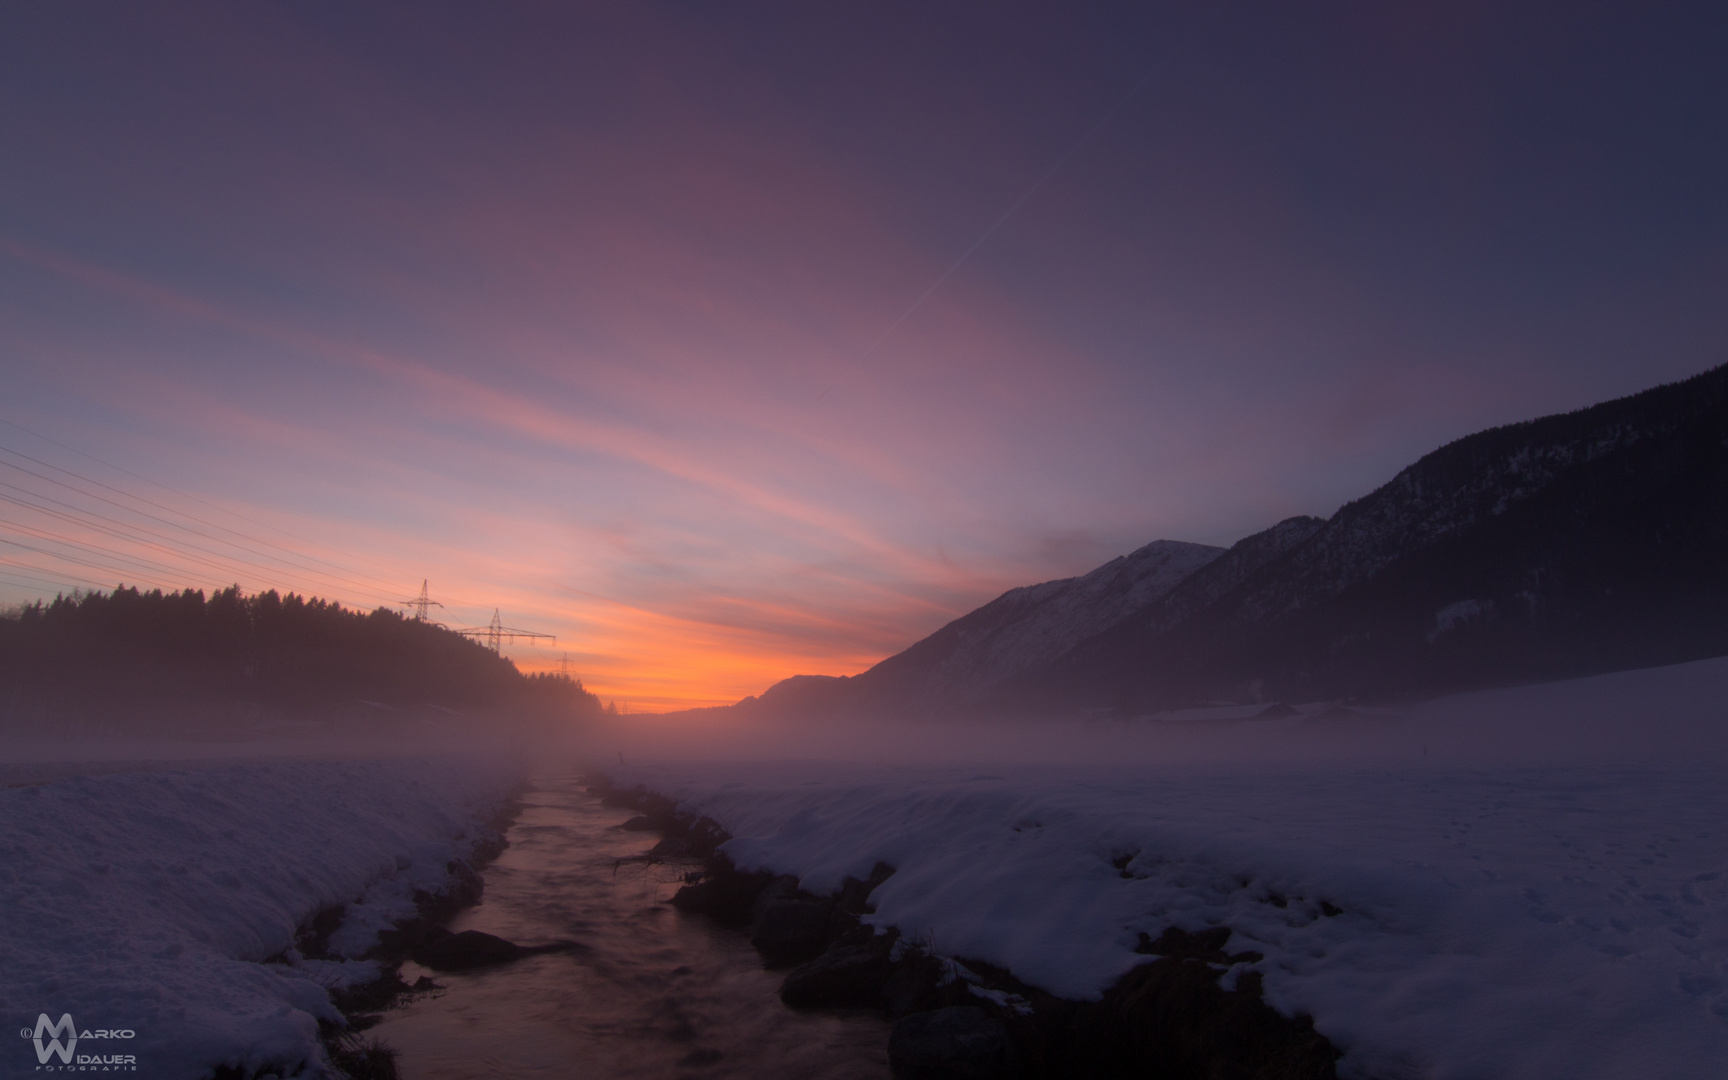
<point x="1025" y="629"/>
<point x="1022" y="630"/>
<point x="1574" y="544"/>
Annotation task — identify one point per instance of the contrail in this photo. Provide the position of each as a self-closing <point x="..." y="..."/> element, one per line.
<point x="1031" y="191"/>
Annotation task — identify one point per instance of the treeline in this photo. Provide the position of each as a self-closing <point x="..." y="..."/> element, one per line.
<point x="289" y="654"/>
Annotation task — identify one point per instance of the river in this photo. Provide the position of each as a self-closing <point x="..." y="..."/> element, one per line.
<point x="653" y="992"/>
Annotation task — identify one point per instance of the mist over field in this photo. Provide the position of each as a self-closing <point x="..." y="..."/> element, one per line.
<point x="1652" y="715"/>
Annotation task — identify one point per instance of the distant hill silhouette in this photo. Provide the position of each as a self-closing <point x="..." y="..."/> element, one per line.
<point x="1571" y="545"/>
<point x="130" y="652"/>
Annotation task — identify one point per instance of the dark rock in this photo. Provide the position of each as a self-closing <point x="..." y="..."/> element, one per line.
<point x="789" y="931"/>
<point x="913" y="986"/>
<point x="1173" y="1011"/>
<point x="404" y="936"/>
<point x="468" y="949"/>
<point x="959" y="1043"/>
<point x="313" y="940"/>
<point x="703" y="838"/>
<point x="468" y="886"/>
<point x="725" y="894"/>
<point x="356" y="1002"/>
<point x="473" y="949"/>
<point x="464" y="890"/>
<point x="922" y="983"/>
<point x="656" y="813"/>
<point x="844" y="976"/>
<point x="778" y="889"/>
<point x="625" y="800"/>
<point x="855" y="895"/>
<point x="1207" y="945"/>
<point x="672" y="847"/>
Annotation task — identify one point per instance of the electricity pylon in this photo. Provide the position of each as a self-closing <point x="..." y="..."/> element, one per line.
<point x="497" y="633"/>
<point x="420" y="603"/>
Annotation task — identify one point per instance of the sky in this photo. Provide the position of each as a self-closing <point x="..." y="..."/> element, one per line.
<point x="732" y="342"/>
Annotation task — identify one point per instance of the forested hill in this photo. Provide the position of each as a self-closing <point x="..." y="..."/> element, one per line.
<point x="128" y="649"/>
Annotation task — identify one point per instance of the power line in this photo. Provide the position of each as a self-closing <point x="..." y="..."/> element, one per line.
<point x="32" y="583"/>
<point x="171" y="524"/>
<point x="93" y="548"/>
<point x="64" y="549"/>
<point x="85" y="545"/>
<point x="185" y="495"/>
<point x="125" y="530"/>
<point x="339" y="581"/>
<point x="63" y="582"/>
<point x="27" y="566"/>
<point x="222" y="569"/>
<point x="77" y="561"/>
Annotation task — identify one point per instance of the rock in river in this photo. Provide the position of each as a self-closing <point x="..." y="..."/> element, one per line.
<point x="844" y="976"/>
<point x="474" y="949"/>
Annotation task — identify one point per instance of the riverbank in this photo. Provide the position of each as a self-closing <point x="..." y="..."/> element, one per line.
<point x="154" y="902"/>
<point x="958" y="1016"/>
<point x="1442" y="921"/>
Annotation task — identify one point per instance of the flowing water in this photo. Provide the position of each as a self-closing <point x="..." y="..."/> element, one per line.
<point x="652" y="993"/>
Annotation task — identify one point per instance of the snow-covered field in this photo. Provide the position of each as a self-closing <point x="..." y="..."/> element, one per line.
<point x="1528" y="883"/>
<point x="1531" y="883"/>
<point x="144" y="901"/>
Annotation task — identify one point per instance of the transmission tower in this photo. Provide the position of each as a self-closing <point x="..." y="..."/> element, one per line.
<point x="497" y="633"/>
<point x="420" y="603"/>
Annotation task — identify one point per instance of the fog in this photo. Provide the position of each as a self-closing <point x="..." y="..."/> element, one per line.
<point x="1652" y="716"/>
<point x="1655" y="715"/>
<point x="32" y="759"/>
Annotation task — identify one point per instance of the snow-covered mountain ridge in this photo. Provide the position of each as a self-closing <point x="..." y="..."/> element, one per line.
<point x="1028" y="627"/>
<point x="1573" y="544"/>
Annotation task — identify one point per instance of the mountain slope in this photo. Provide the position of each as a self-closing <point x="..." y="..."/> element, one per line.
<point x="1026" y="628"/>
<point x="1577" y="543"/>
<point x="1573" y="544"/>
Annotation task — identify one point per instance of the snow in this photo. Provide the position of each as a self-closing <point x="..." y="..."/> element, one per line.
<point x="1455" y="615"/>
<point x="1429" y="500"/>
<point x="1063" y="617"/>
<point x="144" y="901"/>
<point x="1532" y="882"/>
<point x="1033" y="625"/>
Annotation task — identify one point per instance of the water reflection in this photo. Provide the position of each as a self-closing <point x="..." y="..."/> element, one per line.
<point x="655" y="993"/>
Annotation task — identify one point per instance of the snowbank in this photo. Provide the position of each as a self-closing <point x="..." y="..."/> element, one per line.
<point x="1445" y="920"/>
<point x="144" y="901"/>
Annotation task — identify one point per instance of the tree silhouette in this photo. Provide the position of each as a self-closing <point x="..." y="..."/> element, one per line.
<point x="292" y="654"/>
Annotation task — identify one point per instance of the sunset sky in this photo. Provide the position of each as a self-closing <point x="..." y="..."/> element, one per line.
<point x="733" y="341"/>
